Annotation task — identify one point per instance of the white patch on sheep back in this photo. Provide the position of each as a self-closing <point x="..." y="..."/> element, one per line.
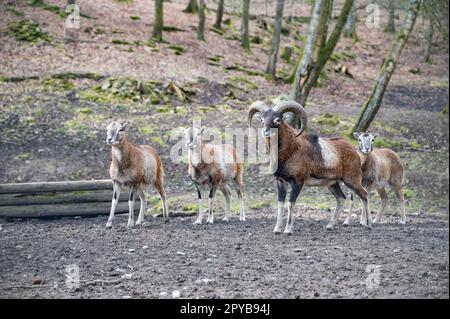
<point x="226" y="163"/>
<point x="149" y="165"/>
<point x="329" y="155"/>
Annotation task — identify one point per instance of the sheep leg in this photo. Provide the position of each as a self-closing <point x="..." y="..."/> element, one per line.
<point x="200" y="206"/>
<point x="336" y="190"/>
<point x="350" y="209"/>
<point x="212" y="193"/>
<point x="238" y="187"/>
<point x="115" y="200"/>
<point x="143" y="199"/>
<point x="281" y="199"/>
<point x="398" y="192"/>
<point x="162" y="194"/>
<point x="226" y="192"/>
<point x="363" y="195"/>
<point x="131" y="208"/>
<point x="384" y="199"/>
<point x="295" y="191"/>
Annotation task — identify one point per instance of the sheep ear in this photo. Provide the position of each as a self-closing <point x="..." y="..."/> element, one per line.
<point x="202" y="130"/>
<point x="374" y="135"/>
<point x="104" y="125"/>
<point x="355" y="135"/>
<point x="126" y="125"/>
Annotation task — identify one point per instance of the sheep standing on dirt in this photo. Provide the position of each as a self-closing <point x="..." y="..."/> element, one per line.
<point x="215" y="166"/>
<point x="308" y="160"/>
<point x="381" y="167"/>
<point x="135" y="166"/>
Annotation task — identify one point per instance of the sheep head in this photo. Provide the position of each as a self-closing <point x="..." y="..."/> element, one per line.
<point x="273" y="117"/>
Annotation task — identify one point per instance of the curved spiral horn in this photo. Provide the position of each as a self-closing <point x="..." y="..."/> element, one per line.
<point x="257" y="106"/>
<point x="297" y="109"/>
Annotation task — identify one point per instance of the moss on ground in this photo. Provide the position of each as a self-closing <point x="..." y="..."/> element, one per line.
<point x="52" y="84"/>
<point x="28" y="31"/>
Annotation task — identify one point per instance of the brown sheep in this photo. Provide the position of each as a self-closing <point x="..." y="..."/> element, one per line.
<point x="135" y="166"/>
<point x="214" y="166"/>
<point x="381" y="167"/>
<point x="308" y="160"/>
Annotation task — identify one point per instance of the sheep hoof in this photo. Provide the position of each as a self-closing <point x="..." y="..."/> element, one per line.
<point x="242" y="219"/>
<point x="130" y="224"/>
<point x="277" y="231"/>
<point x="346" y="223"/>
<point x="288" y="232"/>
<point x="197" y="222"/>
<point x="330" y="226"/>
<point x="403" y="222"/>
<point x="210" y="221"/>
<point x="108" y="225"/>
<point x="226" y="219"/>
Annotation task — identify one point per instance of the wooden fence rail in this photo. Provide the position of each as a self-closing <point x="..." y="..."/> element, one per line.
<point x="59" y="199"/>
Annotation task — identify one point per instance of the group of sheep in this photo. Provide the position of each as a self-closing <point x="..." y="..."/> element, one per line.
<point x="303" y="160"/>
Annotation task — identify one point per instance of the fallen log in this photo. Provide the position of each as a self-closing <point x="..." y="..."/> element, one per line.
<point x="59" y="198"/>
<point x="66" y="186"/>
<point x="62" y="210"/>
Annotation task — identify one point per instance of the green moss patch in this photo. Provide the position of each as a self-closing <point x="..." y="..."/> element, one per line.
<point x="327" y="119"/>
<point x="114" y="90"/>
<point x="177" y="49"/>
<point x="28" y="31"/>
<point x="58" y="84"/>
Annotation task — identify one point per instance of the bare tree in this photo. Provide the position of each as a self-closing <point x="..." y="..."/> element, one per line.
<point x="429" y="37"/>
<point x="271" y="66"/>
<point x="159" y="23"/>
<point x="350" y="26"/>
<point x="219" y="15"/>
<point x="391" y="18"/>
<point x="437" y="11"/>
<point x="291" y="11"/>
<point x="245" y="37"/>
<point x="201" y="21"/>
<point x="373" y="102"/>
<point x="192" y="7"/>
<point x="317" y="50"/>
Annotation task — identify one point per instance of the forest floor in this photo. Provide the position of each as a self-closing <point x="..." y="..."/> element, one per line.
<point x="51" y="112"/>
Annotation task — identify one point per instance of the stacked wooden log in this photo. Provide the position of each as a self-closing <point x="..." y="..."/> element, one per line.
<point x="59" y="199"/>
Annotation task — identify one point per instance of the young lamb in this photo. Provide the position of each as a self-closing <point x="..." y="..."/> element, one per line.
<point x="135" y="166"/>
<point x="308" y="160"/>
<point x="214" y="166"/>
<point x="381" y="167"/>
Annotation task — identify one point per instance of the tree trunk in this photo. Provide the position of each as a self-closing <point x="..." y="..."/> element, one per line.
<point x="159" y="23"/>
<point x="245" y="38"/>
<point x="391" y="19"/>
<point x="201" y="21"/>
<point x="330" y="12"/>
<point x="291" y="11"/>
<point x="317" y="51"/>
<point x="192" y="7"/>
<point x="219" y="15"/>
<point x="373" y="103"/>
<point x="429" y="37"/>
<point x="271" y="67"/>
<point x="350" y="26"/>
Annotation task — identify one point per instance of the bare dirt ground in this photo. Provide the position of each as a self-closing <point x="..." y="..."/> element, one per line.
<point x="50" y="130"/>
<point x="225" y="260"/>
